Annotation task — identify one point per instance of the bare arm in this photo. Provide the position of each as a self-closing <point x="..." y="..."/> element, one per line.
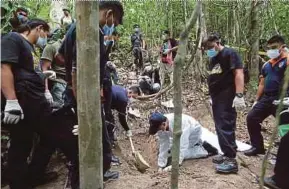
<point x="239" y="80"/>
<point x="175" y="48"/>
<point x="74" y="82"/>
<point x="7" y="82"/>
<point x="45" y="66"/>
<point x="143" y="44"/>
<point x="260" y="88"/>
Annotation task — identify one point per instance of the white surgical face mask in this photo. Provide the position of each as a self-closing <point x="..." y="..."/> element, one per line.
<point x="273" y="53"/>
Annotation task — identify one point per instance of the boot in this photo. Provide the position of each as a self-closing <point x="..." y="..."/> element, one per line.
<point x="254" y="151"/>
<point x="110" y="175"/>
<point x="218" y="159"/>
<point x="229" y="165"/>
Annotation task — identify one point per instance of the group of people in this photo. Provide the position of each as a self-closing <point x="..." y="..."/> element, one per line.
<point x="226" y="88"/>
<point x="35" y="100"/>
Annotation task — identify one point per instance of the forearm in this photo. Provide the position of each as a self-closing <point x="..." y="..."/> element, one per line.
<point x="259" y="92"/>
<point x="45" y="66"/>
<point x="74" y="83"/>
<point x="7" y="83"/>
<point x="239" y="82"/>
<point x="175" y="48"/>
<point x="123" y="121"/>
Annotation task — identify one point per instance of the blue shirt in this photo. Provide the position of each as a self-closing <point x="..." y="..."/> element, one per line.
<point x="274" y="72"/>
<point x="119" y="98"/>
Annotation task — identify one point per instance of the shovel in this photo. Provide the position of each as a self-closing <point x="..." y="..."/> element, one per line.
<point x="140" y="163"/>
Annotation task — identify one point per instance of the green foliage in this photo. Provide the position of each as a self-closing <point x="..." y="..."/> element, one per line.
<point x="36" y="9"/>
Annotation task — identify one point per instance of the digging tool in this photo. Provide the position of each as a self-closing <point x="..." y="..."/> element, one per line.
<point x="140" y="163"/>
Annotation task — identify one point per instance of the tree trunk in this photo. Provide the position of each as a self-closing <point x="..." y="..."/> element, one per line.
<point x="179" y="60"/>
<point x="88" y="96"/>
<point x="253" y="36"/>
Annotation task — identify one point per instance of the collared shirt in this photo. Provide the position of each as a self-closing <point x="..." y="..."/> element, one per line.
<point x="273" y="71"/>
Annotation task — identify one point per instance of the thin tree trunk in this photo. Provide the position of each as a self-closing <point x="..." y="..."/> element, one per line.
<point x="171" y="19"/>
<point x="185" y="10"/>
<point x="254" y="41"/>
<point x="88" y="96"/>
<point x="179" y="60"/>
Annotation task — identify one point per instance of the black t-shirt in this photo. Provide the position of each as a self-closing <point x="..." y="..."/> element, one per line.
<point x="17" y="51"/>
<point x="68" y="49"/>
<point x="221" y="67"/>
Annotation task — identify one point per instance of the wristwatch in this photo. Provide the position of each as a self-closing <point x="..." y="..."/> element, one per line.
<point x="239" y="95"/>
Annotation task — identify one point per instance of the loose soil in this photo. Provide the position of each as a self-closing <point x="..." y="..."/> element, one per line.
<point x="194" y="174"/>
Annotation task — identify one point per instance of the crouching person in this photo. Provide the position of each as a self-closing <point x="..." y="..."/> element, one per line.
<point x="190" y="142"/>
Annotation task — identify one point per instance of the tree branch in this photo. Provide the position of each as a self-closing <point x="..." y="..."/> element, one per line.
<point x="179" y="60"/>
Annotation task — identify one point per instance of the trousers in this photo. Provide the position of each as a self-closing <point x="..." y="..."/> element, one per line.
<point x="281" y="169"/>
<point x="225" y="121"/>
<point x="258" y="113"/>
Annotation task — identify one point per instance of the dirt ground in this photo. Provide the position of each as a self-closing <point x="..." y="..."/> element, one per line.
<point x="194" y="174"/>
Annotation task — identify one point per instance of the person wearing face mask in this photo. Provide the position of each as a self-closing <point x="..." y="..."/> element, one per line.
<point x="168" y="53"/>
<point x="20" y="16"/>
<point x="226" y="87"/>
<point x="48" y="61"/>
<point x="270" y="85"/>
<point x="190" y="141"/>
<point x="110" y="16"/>
<point x="138" y="44"/>
<point x="24" y="105"/>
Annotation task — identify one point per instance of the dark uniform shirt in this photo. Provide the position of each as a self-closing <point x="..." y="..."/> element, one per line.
<point x="17" y="51"/>
<point x="273" y="72"/>
<point x="119" y="97"/>
<point x="68" y="49"/>
<point x="136" y="39"/>
<point x="221" y="67"/>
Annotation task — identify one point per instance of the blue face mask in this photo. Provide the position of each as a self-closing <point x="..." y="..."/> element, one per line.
<point x="22" y="19"/>
<point x="211" y="53"/>
<point x="108" y="30"/>
<point x="41" y="42"/>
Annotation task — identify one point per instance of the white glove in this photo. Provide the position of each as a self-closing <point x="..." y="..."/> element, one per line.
<point x="75" y="130"/>
<point x="13" y="112"/>
<point x="210" y="101"/>
<point x="254" y="104"/>
<point x="239" y="103"/>
<point x="48" y="96"/>
<point x="166" y="51"/>
<point x="168" y="168"/>
<point x="128" y="133"/>
<point x="50" y="74"/>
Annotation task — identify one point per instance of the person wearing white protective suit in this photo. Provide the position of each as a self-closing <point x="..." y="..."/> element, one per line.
<point x="190" y="142"/>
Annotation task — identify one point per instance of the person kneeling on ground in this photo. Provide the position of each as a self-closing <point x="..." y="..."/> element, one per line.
<point x="149" y="81"/>
<point x="190" y="142"/>
<point x="281" y="171"/>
